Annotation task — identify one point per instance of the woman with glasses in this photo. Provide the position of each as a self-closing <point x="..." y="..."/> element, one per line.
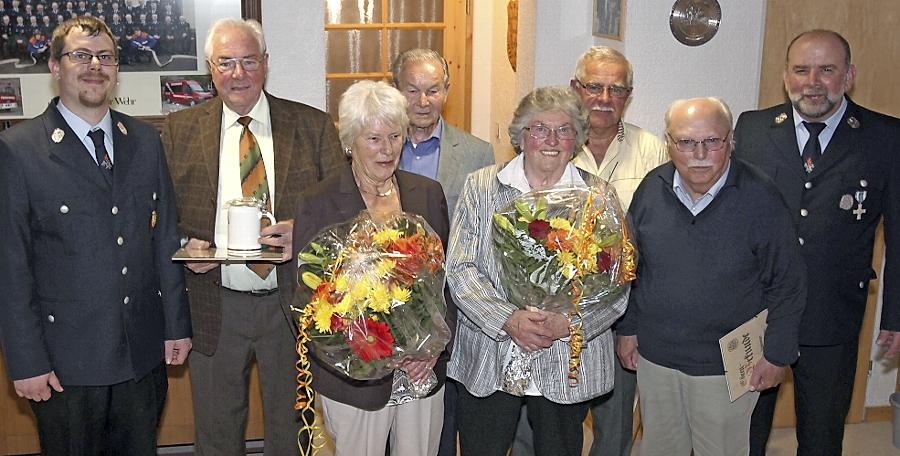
<point x="362" y="416"/>
<point x="548" y="127"/>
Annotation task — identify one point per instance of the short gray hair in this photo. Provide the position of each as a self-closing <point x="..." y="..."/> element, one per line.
<point x="723" y="111"/>
<point x="366" y="102"/>
<point x="249" y="26"/>
<point x="546" y="99"/>
<point x="419" y="55"/>
<point x="603" y="54"/>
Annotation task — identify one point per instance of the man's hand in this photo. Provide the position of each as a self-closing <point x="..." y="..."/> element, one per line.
<point x="627" y="350"/>
<point x="527" y="330"/>
<point x="38" y="388"/>
<point x="281" y="235"/>
<point x="766" y="375"/>
<point x="890" y="340"/>
<point x="557" y="324"/>
<point x="196" y="266"/>
<point x="177" y="351"/>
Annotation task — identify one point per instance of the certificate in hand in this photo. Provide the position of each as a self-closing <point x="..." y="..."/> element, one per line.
<point x="741" y="349"/>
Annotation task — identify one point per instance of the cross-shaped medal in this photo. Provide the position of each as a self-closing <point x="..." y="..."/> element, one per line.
<point x="859" y="211"/>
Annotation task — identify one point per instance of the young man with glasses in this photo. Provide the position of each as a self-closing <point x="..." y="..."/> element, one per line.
<point x="93" y="308"/>
<point x="245" y="142"/>
<point x="717" y="247"/>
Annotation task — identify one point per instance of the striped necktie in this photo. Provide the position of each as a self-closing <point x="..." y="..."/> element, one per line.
<point x="254" y="182"/>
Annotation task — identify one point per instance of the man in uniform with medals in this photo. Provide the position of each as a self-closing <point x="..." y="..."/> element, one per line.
<point x="836" y="164"/>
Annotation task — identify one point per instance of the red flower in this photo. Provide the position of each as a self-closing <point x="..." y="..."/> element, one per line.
<point x="604" y="261"/>
<point x="538" y="229"/>
<point x="370" y="340"/>
<point x="337" y="323"/>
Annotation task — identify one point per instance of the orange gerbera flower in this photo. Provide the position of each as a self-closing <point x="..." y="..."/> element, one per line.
<point x="558" y="240"/>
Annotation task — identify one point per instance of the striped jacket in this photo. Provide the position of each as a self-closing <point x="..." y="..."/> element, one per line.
<point x="473" y="276"/>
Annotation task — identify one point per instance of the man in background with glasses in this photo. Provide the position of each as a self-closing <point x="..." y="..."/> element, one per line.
<point x="93" y="308"/>
<point x="838" y="166"/>
<point x="244" y="143"/>
<point x="717" y="246"/>
<point x="622" y="154"/>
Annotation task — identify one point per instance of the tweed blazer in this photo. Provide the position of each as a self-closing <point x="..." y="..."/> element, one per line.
<point x="481" y="342"/>
<point x="307" y="150"/>
<point x="862" y="161"/>
<point x="89" y="288"/>
<point x="461" y="154"/>
<point x="338" y="200"/>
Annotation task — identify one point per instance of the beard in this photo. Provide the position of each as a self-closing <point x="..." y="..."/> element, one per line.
<point x="813" y="110"/>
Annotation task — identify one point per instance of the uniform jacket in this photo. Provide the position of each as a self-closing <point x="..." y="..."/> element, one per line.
<point x="89" y="288"/>
<point x="862" y="159"/>
<point x="481" y="342"/>
<point x="306" y="150"/>
<point x="338" y="200"/>
<point x="461" y="153"/>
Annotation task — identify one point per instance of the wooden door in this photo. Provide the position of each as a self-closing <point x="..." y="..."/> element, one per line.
<point x="362" y="38"/>
<point x="871" y="28"/>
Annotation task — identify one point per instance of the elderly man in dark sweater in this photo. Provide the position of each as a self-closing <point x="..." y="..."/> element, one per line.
<point x="717" y="246"/>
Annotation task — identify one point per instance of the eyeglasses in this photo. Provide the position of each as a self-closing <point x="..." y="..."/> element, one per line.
<point x="87" y="58"/>
<point x="688" y="145"/>
<point x="227" y="65"/>
<point x="614" y="91"/>
<point x="541" y="132"/>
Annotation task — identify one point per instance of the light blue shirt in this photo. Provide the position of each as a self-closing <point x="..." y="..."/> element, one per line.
<point x="423" y="158"/>
<point x="831" y="124"/>
<point x="684" y="195"/>
<point x="82" y="128"/>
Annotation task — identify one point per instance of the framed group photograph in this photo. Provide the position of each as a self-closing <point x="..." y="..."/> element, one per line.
<point x="160" y="44"/>
<point x="609" y="19"/>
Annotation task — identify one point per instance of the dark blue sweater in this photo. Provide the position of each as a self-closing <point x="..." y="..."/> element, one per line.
<point x="699" y="277"/>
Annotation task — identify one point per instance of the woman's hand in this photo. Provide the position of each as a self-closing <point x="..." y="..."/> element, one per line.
<point x="527" y="330"/>
<point x="418" y="369"/>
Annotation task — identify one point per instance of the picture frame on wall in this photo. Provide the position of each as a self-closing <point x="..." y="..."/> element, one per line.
<point x="609" y="19"/>
<point x="176" y="50"/>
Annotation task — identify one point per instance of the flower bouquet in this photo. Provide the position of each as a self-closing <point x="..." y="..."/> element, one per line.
<point x="562" y="250"/>
<point x="376" y="297"/>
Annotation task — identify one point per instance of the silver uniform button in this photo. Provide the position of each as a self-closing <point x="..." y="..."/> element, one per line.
<point x="863" y="183"/>
<point x="120" y="240"/>
<point x="808" y="185"/>
<point x="154" y="196"/>
<point x="862" y="285"/>
<point x="115" y="210"/>
<point x="51" y="318"/>
<point x="126" y="300"/>
<point x="64" y="209"/>
<point x="801" y="241"/>
<point x="804" y="212"/>
<point x="125" y="270"/>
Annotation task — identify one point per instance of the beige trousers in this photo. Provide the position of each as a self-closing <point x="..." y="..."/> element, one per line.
<point x="414" y="428"/>
<point x="681" y="412"/>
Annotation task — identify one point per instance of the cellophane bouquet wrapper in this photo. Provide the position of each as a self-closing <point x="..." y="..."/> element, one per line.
<point x="562" y="250"/>
<point x="376" y="295"/>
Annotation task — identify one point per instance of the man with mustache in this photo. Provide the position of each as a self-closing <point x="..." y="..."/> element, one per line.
<point x="93" y="307"/>
<point x="836" y="164"/>
<point x="717" y="246"/>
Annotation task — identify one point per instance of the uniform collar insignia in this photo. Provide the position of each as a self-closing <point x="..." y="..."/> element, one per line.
<point x="122" y="128"/>
<point x="780" y="118"/>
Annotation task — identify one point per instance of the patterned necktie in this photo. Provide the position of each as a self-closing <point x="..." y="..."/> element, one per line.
<point x="254" y="182"/>
<point x="100" y="152"/>
<point x="813" y="149"/>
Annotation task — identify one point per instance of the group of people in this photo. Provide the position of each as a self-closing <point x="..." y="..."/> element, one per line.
<point x="778" y="213"/>
<point x="27" y="25"/>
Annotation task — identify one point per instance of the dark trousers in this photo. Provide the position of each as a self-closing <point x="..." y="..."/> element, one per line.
<point x="448" y="432"/>
<point x="103" y="420"/>
<point x="823" y="386"/>
<point x="487" y="425"/>
<point x="252" y="328"/>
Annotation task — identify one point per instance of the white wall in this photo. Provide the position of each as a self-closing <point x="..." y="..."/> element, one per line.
<point x="296" y="43"/>
<point x="664" y="70"/>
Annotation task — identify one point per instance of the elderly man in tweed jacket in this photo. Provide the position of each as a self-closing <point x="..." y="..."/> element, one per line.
<point x="240" y="314"/>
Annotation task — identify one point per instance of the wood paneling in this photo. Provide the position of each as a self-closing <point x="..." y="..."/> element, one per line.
<point x="871" y="28"/>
